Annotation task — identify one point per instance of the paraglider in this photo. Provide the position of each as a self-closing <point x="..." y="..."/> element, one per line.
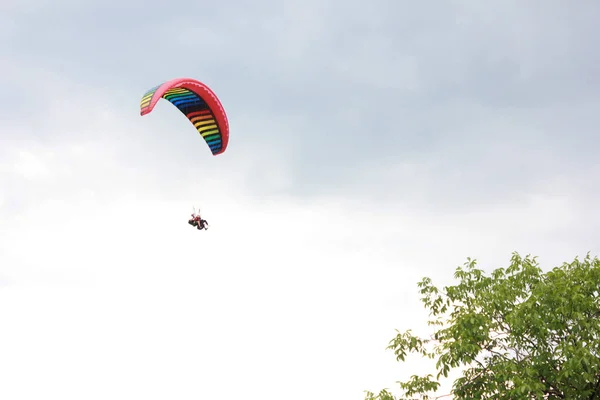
<point x="202" y="108"/>
<point x="197" y="221"/>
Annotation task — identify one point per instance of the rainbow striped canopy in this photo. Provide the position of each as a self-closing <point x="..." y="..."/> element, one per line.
<point x="198" y="103"/>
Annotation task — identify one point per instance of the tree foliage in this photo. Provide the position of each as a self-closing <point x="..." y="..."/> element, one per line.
<point x="517" y="333"/>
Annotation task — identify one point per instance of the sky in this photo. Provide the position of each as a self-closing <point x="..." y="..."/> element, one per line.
<point x="372" y="144"/>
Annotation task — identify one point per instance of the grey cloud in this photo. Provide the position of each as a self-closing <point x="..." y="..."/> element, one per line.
<point x="491" y="100"/>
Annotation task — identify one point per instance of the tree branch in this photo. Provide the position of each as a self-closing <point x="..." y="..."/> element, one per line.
<point x="596" y="391"/>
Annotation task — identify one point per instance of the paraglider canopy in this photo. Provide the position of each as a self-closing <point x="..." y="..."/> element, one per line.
<point x="198" y="103"/>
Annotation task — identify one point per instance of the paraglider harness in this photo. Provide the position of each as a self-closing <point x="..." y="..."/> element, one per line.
<point x="197" y="221"/>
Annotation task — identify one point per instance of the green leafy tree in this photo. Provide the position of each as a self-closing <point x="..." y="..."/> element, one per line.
<point x="517" y="333"/>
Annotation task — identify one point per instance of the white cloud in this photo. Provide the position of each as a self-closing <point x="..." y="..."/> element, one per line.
<point x="121" y="297"/>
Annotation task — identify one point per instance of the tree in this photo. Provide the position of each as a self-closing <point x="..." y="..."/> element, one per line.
<point x="518" y="333"/>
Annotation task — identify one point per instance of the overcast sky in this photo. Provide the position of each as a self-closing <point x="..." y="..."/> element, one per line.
<point x="372" y="144"/>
